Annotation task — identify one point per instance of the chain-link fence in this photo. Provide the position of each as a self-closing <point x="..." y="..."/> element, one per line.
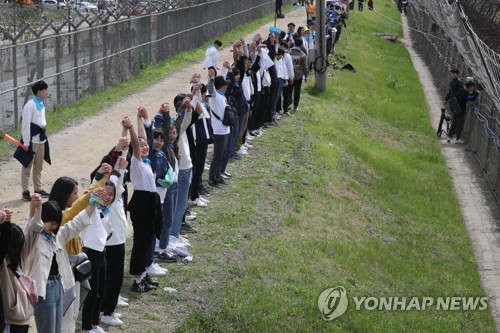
<point x="78" y="53"/>
<point x="445" y="39"/>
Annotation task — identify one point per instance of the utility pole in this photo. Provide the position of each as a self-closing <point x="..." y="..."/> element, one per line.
<point x="320" y="62"/>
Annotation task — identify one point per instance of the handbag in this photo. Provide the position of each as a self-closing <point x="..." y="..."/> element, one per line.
<point x="228" y="119"/>
<point x="29" y="286"/>
<point x="169" y="178"/>
<point x="83" y="270"/>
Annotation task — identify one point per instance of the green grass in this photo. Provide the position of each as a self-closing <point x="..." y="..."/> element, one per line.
<point x="351" y="191"/>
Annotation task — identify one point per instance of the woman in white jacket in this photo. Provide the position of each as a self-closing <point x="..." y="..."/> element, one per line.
<point x="50" y="268"/>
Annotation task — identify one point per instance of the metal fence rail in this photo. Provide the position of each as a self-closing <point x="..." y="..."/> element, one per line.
<point x="79" y="55"/>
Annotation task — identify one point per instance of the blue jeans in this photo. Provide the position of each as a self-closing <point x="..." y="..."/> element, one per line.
<point x="220" y="144"/>
<point x="182" y="196"/>
<point x="277" y="97"/>
<point x="168" y="208"/>
<point x="49" y="312"/>
<point x="150" y="255"/>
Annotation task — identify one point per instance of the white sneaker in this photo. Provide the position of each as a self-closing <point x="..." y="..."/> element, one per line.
<point x="159" y="268"/>
<point x="247" y="145"/>
<point x="204" y="199"/>
<point x="207" y="167"/>
<point x="121" y="303"/>
<point x="249" y="138"/>
<point x="242" y="152"/>
<point x="190" y="217"/>
<point x="155" y="271"/>
<point x="125" y="299"/>
<point x="184" y="240"/>
<point x="224" y="176"/>
<point x="116" y="314"/>
<point x="111" y="320"/>
<point x="243" y="147"/>
<point x="97" y="329"/>
<point x="198" y="203"/>
<point x="460" y="141"/>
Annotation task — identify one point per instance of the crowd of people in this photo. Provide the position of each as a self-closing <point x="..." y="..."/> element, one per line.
<point x="70" y="259"/>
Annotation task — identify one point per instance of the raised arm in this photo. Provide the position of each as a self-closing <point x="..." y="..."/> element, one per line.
<point x="134" y="140"/>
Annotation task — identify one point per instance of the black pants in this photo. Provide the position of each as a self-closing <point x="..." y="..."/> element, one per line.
<point x="140" y="246"/>
<point x="297" y="85"/>
<point x="19" y="328"/>
<point x="263" y="111"/>
<point x="457" y="125"/>
<point x="115" y="262"/>
<point x="92" y="305"/>
<point x="198" y="167"/>
<point x="287" y="96"/>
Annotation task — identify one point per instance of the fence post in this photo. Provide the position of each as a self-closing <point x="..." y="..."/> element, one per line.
<point x="14" y="81"/>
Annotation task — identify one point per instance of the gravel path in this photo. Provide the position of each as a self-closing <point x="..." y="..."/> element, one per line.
<point x="479" y="207"/>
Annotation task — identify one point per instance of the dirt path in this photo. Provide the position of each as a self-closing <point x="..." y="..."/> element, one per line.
<point x="77" y="150"/>
<point x="478" y="206"/>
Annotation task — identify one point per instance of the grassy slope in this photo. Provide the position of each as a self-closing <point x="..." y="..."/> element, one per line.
<point x="351" y="191"/>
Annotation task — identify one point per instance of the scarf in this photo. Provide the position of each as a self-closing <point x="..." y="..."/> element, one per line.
<point x="39" y="103"/>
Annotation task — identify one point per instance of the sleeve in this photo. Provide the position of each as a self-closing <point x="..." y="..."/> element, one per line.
<point x="149" y="136"/>
<point x="80" y="204"/>
<point x="186" y="121"/>
<point x="211" y="87"/>
<point x="31" y="235"/>
<point x="26" y="124"/>
<point x="256" y="65"/>
<point x="72" y="228"/>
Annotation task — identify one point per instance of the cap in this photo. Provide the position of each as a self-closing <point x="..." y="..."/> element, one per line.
<point x="306" y="29"/>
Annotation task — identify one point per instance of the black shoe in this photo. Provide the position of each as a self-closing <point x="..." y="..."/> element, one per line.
<point x="214" y="184"/>
<point x="166" y="258"/>
<point x="222" y="182"/>
<point x="148" y="279"/>
<point x="203" y="191"/>
<point x="26" y="196"/>
<point x="187" y="229"/>
<point x="141" y="287"/>
<point x="42" y="193"/>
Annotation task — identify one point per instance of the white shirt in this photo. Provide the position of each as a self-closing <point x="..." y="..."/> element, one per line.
<point x="117" y="216"/>
<point x="31" y="114"/>
<point x="246" y="84"/>
<point x="211" y="57"/>
<point x="185" y="162"/>
<point x="142" y="176"/>
<point x="280" y="68"/>
<point x="287" y="60"/>
<point x="94" y="236"/>
<point x="218" y="104"/>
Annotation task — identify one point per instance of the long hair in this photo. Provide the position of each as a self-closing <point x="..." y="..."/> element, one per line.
<point x="15" y="246"/>
<point x="61" y="190"/>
